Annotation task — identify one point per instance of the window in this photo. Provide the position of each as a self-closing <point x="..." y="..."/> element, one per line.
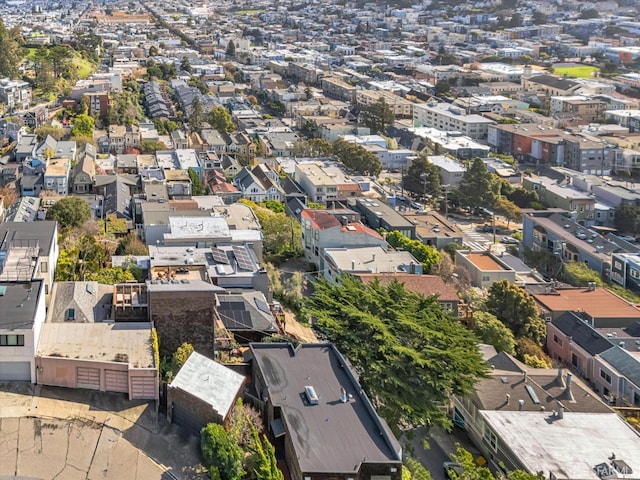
<point x="71" y="314"/>
<point x="44" y="268"/>
<point x="557" y="339"/>
<point x="11" y="340"/>
<point x="486" y="278"/>
<point x="605" y="376"/>
<point x="491" y="439"/>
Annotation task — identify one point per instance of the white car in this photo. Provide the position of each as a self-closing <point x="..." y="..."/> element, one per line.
<point x="509" y="240"/>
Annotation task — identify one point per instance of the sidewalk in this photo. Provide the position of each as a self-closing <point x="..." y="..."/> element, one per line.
<point x="110" y="436"/>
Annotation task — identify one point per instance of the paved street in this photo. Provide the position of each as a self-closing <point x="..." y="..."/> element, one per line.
<point x="56" y="433"/>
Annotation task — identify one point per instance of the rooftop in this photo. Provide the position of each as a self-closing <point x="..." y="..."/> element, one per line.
<point x="18" y="304"/>
<point x="598" y="303"/>
<point x="209" y="381"/>
<point x="331" y="436"/>
<point x="484" y="261"/>
<point x="123" y="342"/>
<point x="426" y="285"/>
<point x="546" y="445"/>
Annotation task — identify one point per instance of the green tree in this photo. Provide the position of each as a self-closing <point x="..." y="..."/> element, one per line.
<point x="516" y="309"/>
<point x="471" y="470"/>
<point x="181" y="355"/>
<point x="185" y="65"/>
<point x="221" y="453"/>
<point x="425" y="254"/>
<point x="220" y="119"/>
<point x="494" y="332"/>
<point x="82" y="126"/>
<point x="149" y="146"/>
<point x="357" y="158"/>
<point x="522" y="197"/>
<point x="414" y="470"/>
<point x="113" y="275"/>
<point x="282" y="234"/>
<point x="422" y="177"/>
<point x="262" y="461"/>
<point x="69" y="212"/>
<point x="231" y="49"/>
<point x="378" y="115"/>
<point x="532" y="353"/>
<point x="409" y="354"/>
<point x="197" y="187"/>
<point x="43" y="131"/>
<point x="508" y="209"/>
<point x="196" y="115"/>
<point x="627" y="218"/>
<point x="477" y="187"/>
<point x="11" y="48"/>
<point x="131" y="245"/>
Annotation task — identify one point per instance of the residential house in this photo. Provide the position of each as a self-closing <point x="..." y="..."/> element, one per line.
<point x="434" y="229"/>
<point x="25" y="147"/>
<point x="450" y="170"/>
<point x="127" y="163"/>
<point x="484" y="268"/>
<point x="22" y="313"/>
<point x="618" y="377"/>
<point x="376" y="214"/>
<point x="313" y="385"/>
<point x="549" y="85"/>
<point x="85" y="170"/>
<point x="334" y="228"/>
<point x="219" y="186"/>
<point x="179" y="140"/>
<point x="230" y="165"/>
<point x="183" y="312"/>
<point x="247" y="316"/>
<point x="532" y="419"/>
<point x="401" y="107"/>
<point x="259" y="184"/>
<point x="565" y="197"/>
<point x="202" y="392"/>
<point x="80" y="348"/>
<point x="15" y="94"/>
<point x="599" y="307"/>
<point x="99" y="103"/>
<point x="20" y="244"/>
<point x="354" y="261"/>
<point x="625" y="270"/>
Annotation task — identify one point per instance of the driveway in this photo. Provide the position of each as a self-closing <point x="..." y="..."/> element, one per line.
<point x="56" y="433"/>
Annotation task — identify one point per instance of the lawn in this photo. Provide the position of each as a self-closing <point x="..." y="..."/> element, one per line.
<point x="248" y="12"/>
<point x="576" y="71"/>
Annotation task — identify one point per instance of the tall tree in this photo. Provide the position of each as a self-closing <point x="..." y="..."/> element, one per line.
<point x="220" y="119"/>
<point x="357" y="158"/>
<point x="494" y="332"/>
<point x="509" y="209"/>
<point x="83" y="126"/>
<point x="221" y="453"/>
<point x="197" y="187"/>
<point x="196" y="115"/>
<point x="69" y="212"/>
<point x="11" y="48"/>
<point x="516" y="309"/>
<point x="378" y="115"/>
<point x="627" y="218"/>
<point x="231" y="49"/>
<point x="425" y="254"/>
<point x="409" y="354"/>
<point x="478" y="186"/>
<point x="422" y="177"/>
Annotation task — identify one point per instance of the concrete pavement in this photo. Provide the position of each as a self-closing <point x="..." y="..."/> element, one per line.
<point x="57" y="433"/>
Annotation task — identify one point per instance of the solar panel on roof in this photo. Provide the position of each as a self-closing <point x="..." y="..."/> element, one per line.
<point x="262" y="305"/>
<point x="242" y="257"/>
<point x="220" y="256"/>
<point x="235" y="319"/>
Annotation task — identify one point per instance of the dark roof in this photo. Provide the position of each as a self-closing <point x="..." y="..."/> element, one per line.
<point x="554" y="82"/>
<point x="491" y="393"/>
<point x="44" y="232"/>
<point x="581" y="333"/>
<point x="117" y="198"/>
<point x="18" y="304"/>
<point x="290" y="186"/>
<point x="246" y="312"/>
<point x="331" y="436"/>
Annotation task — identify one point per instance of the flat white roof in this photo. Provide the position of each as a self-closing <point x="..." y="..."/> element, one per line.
<point x="198" y="226"/>
<point x="570" y="447"/>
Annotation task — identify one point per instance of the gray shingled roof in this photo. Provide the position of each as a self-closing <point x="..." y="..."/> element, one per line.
<point x="624" y="362"/>
<point x="582" y="333"/>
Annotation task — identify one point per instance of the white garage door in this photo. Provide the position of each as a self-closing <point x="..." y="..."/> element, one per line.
<point x="15" y="371"/>
<point x="88" y="378"/>
<point x="116" y="381"/>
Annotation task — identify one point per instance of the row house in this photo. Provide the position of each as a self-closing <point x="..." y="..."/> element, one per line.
<point x="15" y="94"/>
<point x="565" y="197"/>
<point x="400" y="107"/>
<point x="259" y="184"/>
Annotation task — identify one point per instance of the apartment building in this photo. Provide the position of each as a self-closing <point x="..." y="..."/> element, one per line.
<point x="445" y="116"/>
<point x="401" y="107"/>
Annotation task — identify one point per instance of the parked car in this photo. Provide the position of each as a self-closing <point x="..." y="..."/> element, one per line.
<point x="487" y="228"/>
<point x="452" y="470"/>
<point x="416" y="205"/>
<point x="509" y="240"/>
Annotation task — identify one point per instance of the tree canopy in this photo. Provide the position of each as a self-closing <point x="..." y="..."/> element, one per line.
<point x="493" y="332"/>
<point x="83" y="126"/>
<point x="197" y="187"/>
<point x="69" y="212"/>
<point x="378" y="115"/>
<point x="627" y="218"/>
<point x="409" y="354"/>
<point x="357" y="158"/>
<point x="422" y="177"/>
<point x="425" y="254"/>
<point x="516" y="309"/>
<point x="478" y="186"/>
<point x="11" y="48"/>
<point x="220" y="119"/>
<point x="221" y="453"/>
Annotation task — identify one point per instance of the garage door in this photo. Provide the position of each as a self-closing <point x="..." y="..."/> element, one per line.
<point x="88" y="378"/>
<point x="188" y="420"/>
<point x="15" y="371"/>
<point x="143" y="388"/>
<point x="116" y="381"/>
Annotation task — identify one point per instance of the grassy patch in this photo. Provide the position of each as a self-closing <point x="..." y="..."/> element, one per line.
<point x="576" y="71"/>
<point x="83" y="67"/>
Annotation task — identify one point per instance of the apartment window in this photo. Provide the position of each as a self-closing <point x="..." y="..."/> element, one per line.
<point x="557" y="339"/>
<point x="486" y="278"/>
<point x="491" y="439"/>
<point x="605" y="376"/>
<point x="44" y="268"/>
<point x="71" y="314"/>
<point x="11" y="340"/>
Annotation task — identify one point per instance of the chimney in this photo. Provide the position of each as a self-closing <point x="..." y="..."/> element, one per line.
<point x="560" y="414"/>
<point x="343" y="395"/>
<point x="524" y="374"/>
<point x="520" y="405"/>
<point x="507" y="399"/>
<point x="568" y="394"/>
<point x="560" y="378"/>
<point x="374" y="258"/>
<point x="353" y="265"/>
